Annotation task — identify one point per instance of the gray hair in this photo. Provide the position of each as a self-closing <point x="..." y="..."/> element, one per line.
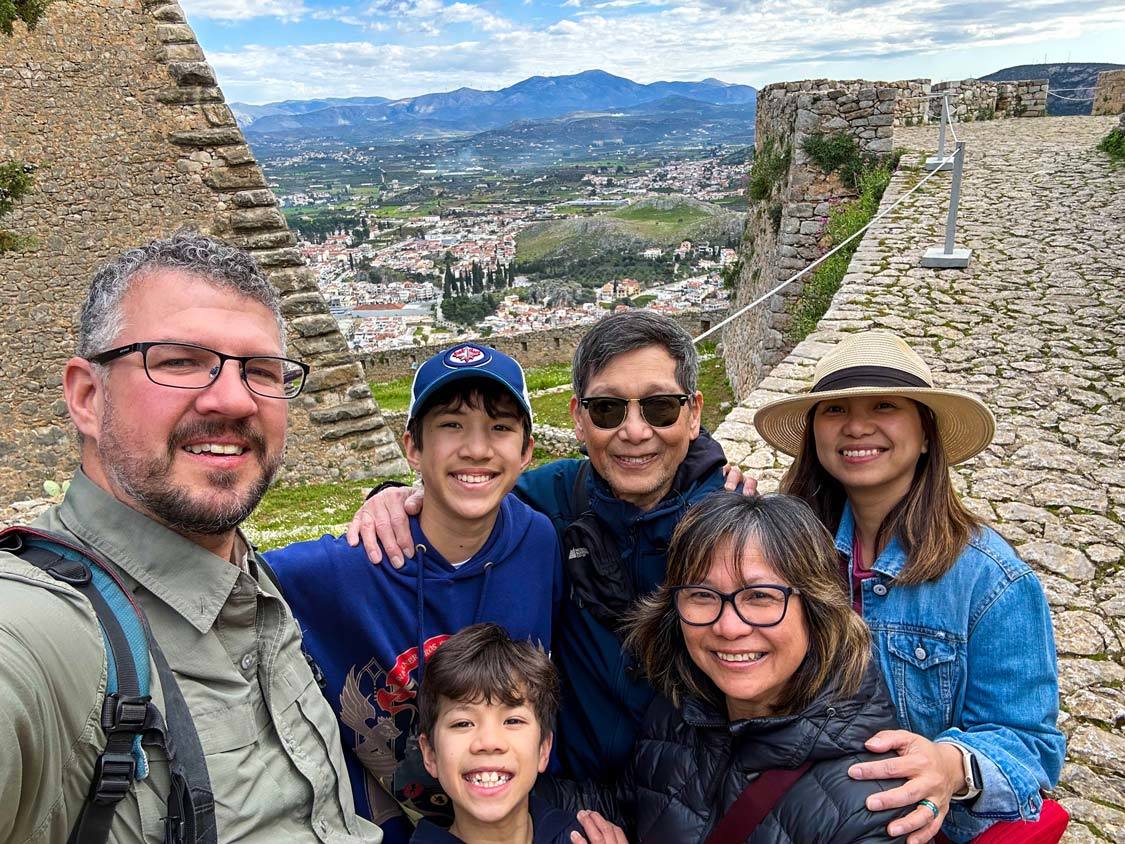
<point x="101" y="319"/>
<point x="625" y="332"/>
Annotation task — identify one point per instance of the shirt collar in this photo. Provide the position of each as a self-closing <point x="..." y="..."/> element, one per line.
<point x="189" y="579"/>
<point x="889" y="563"/>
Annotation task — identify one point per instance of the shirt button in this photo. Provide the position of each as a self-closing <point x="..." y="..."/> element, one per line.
<point x="920" y="652"/>
<point x="879" y="589"/>
<point x="248" y="662"/>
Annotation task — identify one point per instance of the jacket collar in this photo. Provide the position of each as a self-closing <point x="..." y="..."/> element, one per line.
<point x="190" y="580"/>
<point x="889" y="563"/>
<point x="827" y="728"/>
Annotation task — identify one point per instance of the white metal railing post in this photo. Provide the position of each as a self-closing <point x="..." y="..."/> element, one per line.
<point x="941" y="161"/>
<point x="949" y="257"/>
<point x="941" y="126"/>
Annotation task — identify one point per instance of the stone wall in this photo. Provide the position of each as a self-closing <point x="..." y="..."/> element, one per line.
<point x="531" y="349"/>
<point x="1109" y="93"/>
<point x="978" y="99"/>
<point x="784" y="232"/>
<point x="115" y="105"/>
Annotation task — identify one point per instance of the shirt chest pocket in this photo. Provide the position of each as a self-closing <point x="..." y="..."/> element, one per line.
<point x="924" y="673"/>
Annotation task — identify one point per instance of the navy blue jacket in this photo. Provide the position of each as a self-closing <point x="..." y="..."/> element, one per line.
<point x="549" y="826"/>
<point x="604" y="700"/>
<point x="366" y="625"/>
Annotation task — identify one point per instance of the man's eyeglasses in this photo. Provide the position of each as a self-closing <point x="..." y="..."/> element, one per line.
<point x="759" y="604"/>
<point x="659" y="411"/>
<point x="192" y="367"/>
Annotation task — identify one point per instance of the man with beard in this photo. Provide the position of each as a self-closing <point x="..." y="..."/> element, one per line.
<point x="179" y="393"/>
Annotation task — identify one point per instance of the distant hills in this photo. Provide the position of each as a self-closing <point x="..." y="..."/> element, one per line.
<point x="591" y="94"/>
<point x="1063" y="78"/>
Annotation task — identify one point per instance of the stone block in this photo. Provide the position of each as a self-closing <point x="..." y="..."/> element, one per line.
<point x="324" y="350"/>
<point x="257" y="218"/>
<point x="339" y="412"/>
<point x="268" y="240"/>
<point x="352" y="426"/>
<point x="186" y="52"/>
<point x="189" y="95"/>
<point x="207" y="137"/>
<point x="198" y="74"/>
<point x="174" y="33"/>
<point x="169" y="13"/>
<point x="219" y="115"/>
<point x="334" y="377"/>
<point x="312" y="326"/>
<point x="254" y="198"/>
<point x="235" y="178"/>
<point x="288" y="257"/>
<point x="235" y="155"/>
<point x="292" y="279"/>
<point x="302" y="304"/>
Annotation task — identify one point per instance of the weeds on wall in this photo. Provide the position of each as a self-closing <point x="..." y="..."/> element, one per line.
<point x="771" y="163"/>
<point x="843" y="221"/>
<point x="1113" y="144"/>
<point x="15" y="182"/>
<point x="28" y="11"/>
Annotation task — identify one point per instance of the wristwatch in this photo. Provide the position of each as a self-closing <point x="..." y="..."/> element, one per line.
<point x="972" y="774"/>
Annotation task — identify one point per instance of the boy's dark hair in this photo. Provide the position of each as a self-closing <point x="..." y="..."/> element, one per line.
<point x="482" y="663"/>
<point x="476" y="393"/>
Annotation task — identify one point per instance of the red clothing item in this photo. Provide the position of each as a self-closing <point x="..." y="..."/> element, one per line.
<point x="858" y="574"/>
<point x="1049" y="829"/>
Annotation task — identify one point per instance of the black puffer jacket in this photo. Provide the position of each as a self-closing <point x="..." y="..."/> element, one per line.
<point x="690" y="765"/>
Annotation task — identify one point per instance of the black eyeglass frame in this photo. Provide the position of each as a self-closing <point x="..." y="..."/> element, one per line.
<point x="728" y="597"/>
<point x="111" y="355"/>
<point x="682" y="398"/>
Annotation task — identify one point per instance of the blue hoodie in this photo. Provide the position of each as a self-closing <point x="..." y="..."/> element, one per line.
<point x="548" y="826"/>
<point x="366" y="625"/>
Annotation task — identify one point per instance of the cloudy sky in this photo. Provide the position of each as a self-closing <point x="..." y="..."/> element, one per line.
<point x="265" y="50"/>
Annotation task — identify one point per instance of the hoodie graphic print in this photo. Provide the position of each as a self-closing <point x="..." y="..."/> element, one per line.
<point x="371" y="628"/>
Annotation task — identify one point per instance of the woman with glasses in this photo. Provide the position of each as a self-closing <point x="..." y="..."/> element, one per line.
<point x="768" y="691"/>
<point x="961" y="626"/>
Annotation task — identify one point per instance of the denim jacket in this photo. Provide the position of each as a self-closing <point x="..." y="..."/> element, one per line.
<point x="970" y="659"/>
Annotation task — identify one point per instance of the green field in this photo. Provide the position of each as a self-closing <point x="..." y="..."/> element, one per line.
<point x="664" y="225"/>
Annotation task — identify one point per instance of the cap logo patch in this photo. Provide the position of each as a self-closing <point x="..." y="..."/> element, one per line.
<point x="466" y="356"/>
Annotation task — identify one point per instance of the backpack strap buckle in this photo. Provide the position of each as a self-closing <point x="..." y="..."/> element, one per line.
<point x="113" y="777"/>
<point x="122" y="714"/>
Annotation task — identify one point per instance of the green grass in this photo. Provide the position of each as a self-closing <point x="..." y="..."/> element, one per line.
<point x="544" y="377"/>
<point x="716" y="389"/>
<point x="659" y="223"/>
<point x="1114" y="144"/>
<point x="553" y="409"/>
<point x="393" y="395"/>
<point x="308" y="511"/>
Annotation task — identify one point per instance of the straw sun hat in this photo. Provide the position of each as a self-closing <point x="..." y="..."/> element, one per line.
<point x="873" y="363"/>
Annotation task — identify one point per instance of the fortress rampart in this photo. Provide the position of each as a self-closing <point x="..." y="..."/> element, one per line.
<point x="117" y="109"/>
<point x="1109" y="93"/>
<point x="785" y="229"/>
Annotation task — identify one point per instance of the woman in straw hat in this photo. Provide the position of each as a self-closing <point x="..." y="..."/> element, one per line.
<point x="960" y="624"/>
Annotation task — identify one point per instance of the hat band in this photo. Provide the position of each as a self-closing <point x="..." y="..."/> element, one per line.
<point x="868" y="376"/>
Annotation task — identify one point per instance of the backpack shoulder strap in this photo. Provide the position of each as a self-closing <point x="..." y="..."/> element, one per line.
<point x="580" y="494"/>
<point x="754" y="803"/>
<point x="128" y="714"/>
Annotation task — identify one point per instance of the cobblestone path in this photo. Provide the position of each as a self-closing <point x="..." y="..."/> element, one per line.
<point x="1036" y="327"/>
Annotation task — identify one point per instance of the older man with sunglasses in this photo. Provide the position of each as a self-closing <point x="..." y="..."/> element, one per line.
<point x="179" y="391"/>
<point x="636" y="409"/>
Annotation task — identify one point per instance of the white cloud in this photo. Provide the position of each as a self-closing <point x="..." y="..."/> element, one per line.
<point x="240" y="10"/>
<point x="756" y="42"/>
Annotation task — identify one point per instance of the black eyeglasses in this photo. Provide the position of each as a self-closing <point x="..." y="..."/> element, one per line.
<point x="659" y="411"/>
<point x="191" y="367"/>
<point x="759" y="604"/>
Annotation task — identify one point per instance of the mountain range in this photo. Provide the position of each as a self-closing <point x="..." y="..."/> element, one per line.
<point x="469" y="110"/>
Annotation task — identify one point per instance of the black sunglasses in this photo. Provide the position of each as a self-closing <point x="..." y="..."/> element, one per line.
<point x="659" y="411"/>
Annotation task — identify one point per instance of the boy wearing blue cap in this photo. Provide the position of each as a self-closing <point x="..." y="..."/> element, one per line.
<point x="481" y="555"/>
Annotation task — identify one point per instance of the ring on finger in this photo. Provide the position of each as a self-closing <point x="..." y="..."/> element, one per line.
<point x="931" y="805"/>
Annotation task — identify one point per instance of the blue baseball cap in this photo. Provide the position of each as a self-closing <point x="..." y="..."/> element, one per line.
<point x="467" y="360"/>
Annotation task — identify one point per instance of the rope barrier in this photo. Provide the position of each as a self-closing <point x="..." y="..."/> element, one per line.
<point x="1071" y="99"/>
<point x="819" y="260"/>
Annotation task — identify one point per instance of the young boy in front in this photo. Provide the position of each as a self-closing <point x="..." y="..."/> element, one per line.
<point x="487" y="711"/>
<point x="482" y="555"/>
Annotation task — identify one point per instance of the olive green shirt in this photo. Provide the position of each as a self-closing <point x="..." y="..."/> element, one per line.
<point x="271" y="741"/>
